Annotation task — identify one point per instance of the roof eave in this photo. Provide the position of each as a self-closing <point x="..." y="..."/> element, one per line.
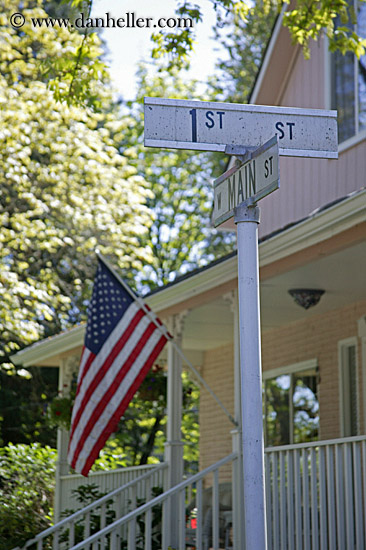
<point x="319" y="226"/>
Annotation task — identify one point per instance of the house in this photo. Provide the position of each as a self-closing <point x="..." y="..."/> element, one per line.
<point x="312" y="257"/>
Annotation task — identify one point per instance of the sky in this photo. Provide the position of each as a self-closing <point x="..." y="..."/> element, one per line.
<point x="128" y="46"/>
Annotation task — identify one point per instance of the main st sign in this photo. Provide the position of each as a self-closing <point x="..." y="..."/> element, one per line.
<point x="212" y="126"/>
<point x="254" y="179"/>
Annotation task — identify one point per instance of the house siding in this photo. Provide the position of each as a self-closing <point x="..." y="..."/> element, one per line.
<point x="307" y="184"/>
<point x="318" y="338"/>
<point x="215" y="427"/>
<point x="314" y="338"/>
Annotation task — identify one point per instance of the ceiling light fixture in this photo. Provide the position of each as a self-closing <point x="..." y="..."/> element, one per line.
<point x="306" y="297"/>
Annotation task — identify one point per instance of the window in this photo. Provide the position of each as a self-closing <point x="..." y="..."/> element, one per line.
<point x="349" y="85"/>
<point x="348" y="384"/>
<point x="291" y="408"/>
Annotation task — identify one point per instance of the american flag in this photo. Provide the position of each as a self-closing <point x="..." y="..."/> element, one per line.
<point x="123" y="339"/>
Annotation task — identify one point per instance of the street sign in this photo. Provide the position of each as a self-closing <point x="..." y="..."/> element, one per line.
<point x="211" y="126"/>
<point x="254" y="179"/>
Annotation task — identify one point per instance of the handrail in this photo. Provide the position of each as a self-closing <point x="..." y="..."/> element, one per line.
<point x="322" y="443"/>
<point x="91" y="506"/>
<point x="157" y="500"/>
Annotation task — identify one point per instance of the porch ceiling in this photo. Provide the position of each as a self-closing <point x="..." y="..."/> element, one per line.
<point x="341" y="275"/>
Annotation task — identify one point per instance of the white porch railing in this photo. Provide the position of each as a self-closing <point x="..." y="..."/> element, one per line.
<point x="316" y="495"/>
<point x="200" y="537"/>
<point x="119" y="502"/>
<point x="106" y="481"/>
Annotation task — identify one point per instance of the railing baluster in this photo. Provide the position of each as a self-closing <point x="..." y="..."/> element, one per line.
<point x="283" y="509"/>
<point x="323" y="500"/>
<point x="131" y="543"/>
<point x="350" y="540"/>
<point x="215" y="510"/>
<point x="267" y="472"/>
<point x="364" y="480"/>
<point x="182" y="519"/>
<point x="199" y="515"/>
<point x="166" y="523"/>
<point x="148" y="531"/>
<point x="148" y="517"/>
<point x="71" y="533"/>
<point x="114" y="540"/>
<point x="103" y="518"/>
<point x="87" y="525"/>
<point x="314" y="500"/>
<point x="359" y="516"/>
<point x="339" y="470"/>
<point x="275" y="503"/>
<point x="331" y="498"/>
<point x="306" y="499"/>
<point x="298" y="514"/>
<point x="290" y="500"/>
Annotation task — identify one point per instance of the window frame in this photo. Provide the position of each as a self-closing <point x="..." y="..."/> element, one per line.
<point x="359" y="135"/>
<point x="293" y="368"/>
<point x="343" y="347"/>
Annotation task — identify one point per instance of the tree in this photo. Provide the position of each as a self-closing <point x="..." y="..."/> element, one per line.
<point x="65" y="189"/>
<point x="244" y="42"/>
<point x="305" y="21"/>
<point x="181" y="236"/>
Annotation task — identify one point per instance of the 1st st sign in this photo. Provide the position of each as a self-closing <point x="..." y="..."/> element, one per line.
<point x="211" y="126"/>
<point x="251" y="180"/>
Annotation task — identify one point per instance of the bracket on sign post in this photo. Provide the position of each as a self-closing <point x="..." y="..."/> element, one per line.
<point x="243" y="154"/>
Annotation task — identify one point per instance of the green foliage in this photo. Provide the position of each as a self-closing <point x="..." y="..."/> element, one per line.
<point x="305" y="21"/>
<point x="27" y="476"/>
<point x="23" y="403"/>
<point x="72" y="72"/>
<point x="244" y="41"/>
<point x="181" y="237"/>
<point x="64" y="189"/>
<point x="309" y="19"/>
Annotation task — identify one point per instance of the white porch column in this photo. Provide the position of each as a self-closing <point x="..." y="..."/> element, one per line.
<point x="362" y="335"/>
<point x="237" y="493"/>
<point x="174" y="444"/>
<point x="68" y="367"/>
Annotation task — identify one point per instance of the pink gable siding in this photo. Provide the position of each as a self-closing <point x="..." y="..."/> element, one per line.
<point x="308" y="184"/>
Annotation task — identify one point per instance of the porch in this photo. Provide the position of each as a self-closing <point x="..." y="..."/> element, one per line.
<point x="315" y="491"/>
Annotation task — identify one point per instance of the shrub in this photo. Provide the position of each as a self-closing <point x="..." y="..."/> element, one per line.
<point x="27" y="480"/>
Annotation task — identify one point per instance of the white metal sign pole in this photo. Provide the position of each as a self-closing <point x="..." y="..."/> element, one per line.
<point x="247" y="220"/>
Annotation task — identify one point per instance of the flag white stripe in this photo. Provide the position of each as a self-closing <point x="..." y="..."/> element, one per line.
<point x="108" y="379"/>
<point x="103" y="354"/>
<point x="84" y="358"/>
<point x="117" y="398"/>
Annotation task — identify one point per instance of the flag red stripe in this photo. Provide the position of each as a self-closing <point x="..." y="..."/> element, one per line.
<point x="105" y="367"/>
<point x="89" y="361"/>
<point x="111" y="390"/>
<point x="112" y="424"/>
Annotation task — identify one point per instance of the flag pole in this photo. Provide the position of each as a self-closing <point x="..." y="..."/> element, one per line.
<point x="169" y="337"/>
